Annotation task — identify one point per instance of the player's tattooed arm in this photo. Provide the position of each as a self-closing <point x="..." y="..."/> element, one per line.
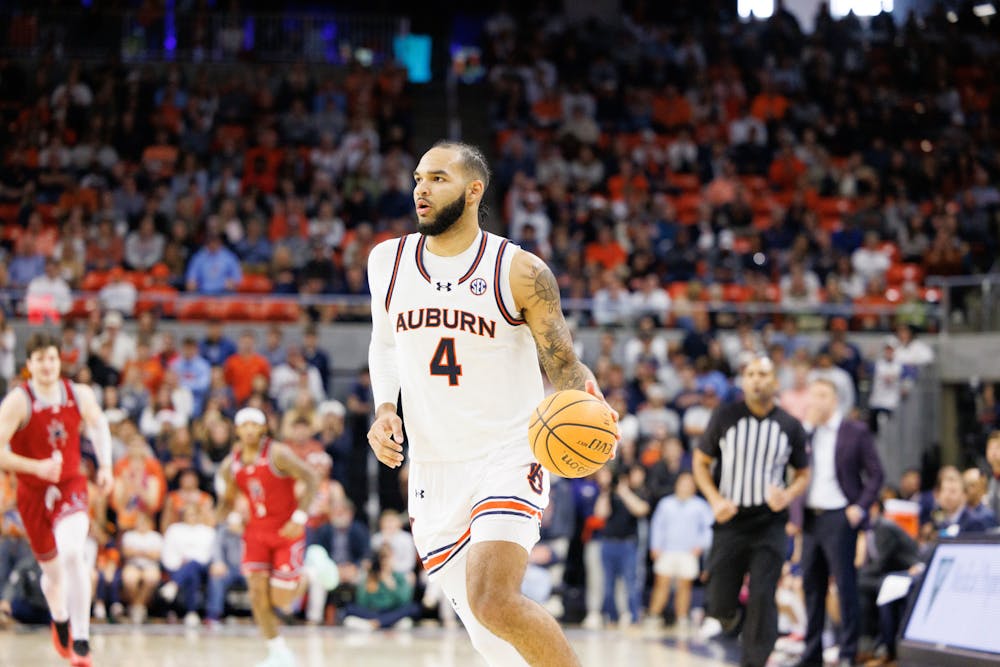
<point x="537" y="295"/>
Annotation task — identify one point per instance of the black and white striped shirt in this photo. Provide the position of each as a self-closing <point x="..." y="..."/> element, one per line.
<point x="752" y="452"/>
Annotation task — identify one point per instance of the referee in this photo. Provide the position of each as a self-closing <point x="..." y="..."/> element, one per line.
<point x="753" y="441"/>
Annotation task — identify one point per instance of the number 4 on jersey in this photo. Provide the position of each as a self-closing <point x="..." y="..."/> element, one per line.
<point x="443" y="362"/>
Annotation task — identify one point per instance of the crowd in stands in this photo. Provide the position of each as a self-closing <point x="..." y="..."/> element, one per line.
<point x="658" y="168"/>
<point x="703" y="159"/>
<point x="139" y="183"/>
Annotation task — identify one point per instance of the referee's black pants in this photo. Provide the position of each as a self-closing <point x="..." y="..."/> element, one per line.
<point x="753" y="541"/>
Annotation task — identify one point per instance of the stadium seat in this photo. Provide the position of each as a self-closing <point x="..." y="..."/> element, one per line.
<point x="684" y="182"/>
<point x="735" y="293"/>
<point x="202" y="308"/>
<point x="82" y="307"/>
<point x="283" y="311"/>
<point x="94" y="281"/>
<point x="901" y="273"/>
<point x="676" y="290"/>
<point x="138" y="278"/>
<point x="255" y="284"/>
<point x="833" y="206"/>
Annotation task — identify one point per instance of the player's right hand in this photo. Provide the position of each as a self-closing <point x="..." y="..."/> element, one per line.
<point x="49" y="469"/>
<point x="724" y="510"/>
<point x="386" y="439"/>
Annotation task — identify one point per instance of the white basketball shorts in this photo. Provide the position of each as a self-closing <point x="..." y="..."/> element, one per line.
<point x="456" y="504"/>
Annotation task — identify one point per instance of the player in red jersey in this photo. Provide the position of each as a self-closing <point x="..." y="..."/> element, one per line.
<point x="266" y="472"/>
<point x="42" y="421"/>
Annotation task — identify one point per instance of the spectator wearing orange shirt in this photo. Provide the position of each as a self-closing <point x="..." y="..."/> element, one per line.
<point x="149" y="365"/>
<point x="786" y="169"/>
<point x="187" y="493"/>
<point x="769" y="105"/>
<point x="13" y="543"/>
<point x="160" y="158"/>
<point x="241" y="367"/>
<point x="140" y="485"/>
<point x="626" y="181"/>
<point x="671" y="110"/>
<point x="605" y="251"/>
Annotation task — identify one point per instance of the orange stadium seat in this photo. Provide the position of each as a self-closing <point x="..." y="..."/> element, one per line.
<point x="833" y="206"/>
<point x="203" y="308"/>
<point x="94" y="281"/>
<point x="283" y="311"/>
<point x="901" y="273"/>
<point x="735" y="293"/>
<point x="676" y="290"/>
<point x="684" y="182"/>
<point x="255" y="284"/>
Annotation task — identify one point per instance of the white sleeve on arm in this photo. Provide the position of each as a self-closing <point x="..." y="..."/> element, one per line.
<point x="100" y="436"/>
<point x="382" y="363"/>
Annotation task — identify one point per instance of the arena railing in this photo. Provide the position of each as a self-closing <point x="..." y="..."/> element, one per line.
<point x="289" y="308"/>
<point x="968" y="303"/>
<point x="326" y="37"/>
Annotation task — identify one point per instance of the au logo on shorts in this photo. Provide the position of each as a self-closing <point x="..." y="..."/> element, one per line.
<point x="478" y="286"/>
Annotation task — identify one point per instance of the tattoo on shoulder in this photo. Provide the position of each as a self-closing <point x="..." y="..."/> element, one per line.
<point x="552" y="336"/>
<point x="544" y="289"/>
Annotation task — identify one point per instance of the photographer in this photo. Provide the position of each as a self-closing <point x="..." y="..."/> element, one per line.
<point x="385" y="599"/>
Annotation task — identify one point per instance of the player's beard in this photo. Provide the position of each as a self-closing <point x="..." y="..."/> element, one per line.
<point x="445" y="219"/>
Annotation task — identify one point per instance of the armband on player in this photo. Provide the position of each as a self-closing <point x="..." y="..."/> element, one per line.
<point x="300" y="517"/>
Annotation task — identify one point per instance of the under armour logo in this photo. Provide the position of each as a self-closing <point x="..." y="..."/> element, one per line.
<point x="444" y="287"/>
<point x="419" y="493"/>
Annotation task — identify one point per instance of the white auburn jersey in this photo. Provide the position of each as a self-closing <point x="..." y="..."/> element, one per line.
<point x="467" y="363"/>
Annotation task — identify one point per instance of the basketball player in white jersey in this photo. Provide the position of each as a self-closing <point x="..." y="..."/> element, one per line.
<point x="460" y="319"/>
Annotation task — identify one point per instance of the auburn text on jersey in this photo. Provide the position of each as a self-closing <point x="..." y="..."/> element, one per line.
<point x="449" y="318"/>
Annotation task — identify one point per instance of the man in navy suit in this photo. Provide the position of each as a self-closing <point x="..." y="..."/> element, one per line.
<point x="847" y="476"/>
<point x="952" y="516"/>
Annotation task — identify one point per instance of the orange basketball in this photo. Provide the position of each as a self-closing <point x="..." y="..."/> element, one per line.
<point x="572" y="434"/>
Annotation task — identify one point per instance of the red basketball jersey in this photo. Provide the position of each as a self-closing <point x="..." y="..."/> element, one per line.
<point x="50" y="428"/>
<point x="271" y="494"/>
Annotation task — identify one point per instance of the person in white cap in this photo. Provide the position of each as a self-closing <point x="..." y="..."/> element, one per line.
<point x="267" y="472"/>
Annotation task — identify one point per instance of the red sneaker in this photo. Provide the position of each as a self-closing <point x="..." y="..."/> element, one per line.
<point x="61" y="649"/>
<point x="81" y="661"/>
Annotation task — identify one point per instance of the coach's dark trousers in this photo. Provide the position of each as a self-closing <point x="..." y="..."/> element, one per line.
<point x="753" y="541"/>
<point x="828" y="549"/>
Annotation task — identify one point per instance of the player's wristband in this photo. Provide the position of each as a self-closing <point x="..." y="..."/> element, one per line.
<point x="300" y="517"/>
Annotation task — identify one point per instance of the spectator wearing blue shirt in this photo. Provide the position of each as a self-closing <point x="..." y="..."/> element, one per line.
<point x="26" y="265"/>
<point x="215" y="348"/>
<point x="194" y="373"/>
<point x="679" y="533"/>
<point x="214" y="269"/>
<point x="255" y="249"/>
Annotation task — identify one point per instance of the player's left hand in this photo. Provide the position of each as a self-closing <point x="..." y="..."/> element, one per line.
<point x="105" y="480"/>
<point x="292" y="530"/>
<point x="591" y="388"/>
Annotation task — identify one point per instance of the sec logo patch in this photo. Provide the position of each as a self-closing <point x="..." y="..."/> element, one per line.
<point x="478" y="286"/>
